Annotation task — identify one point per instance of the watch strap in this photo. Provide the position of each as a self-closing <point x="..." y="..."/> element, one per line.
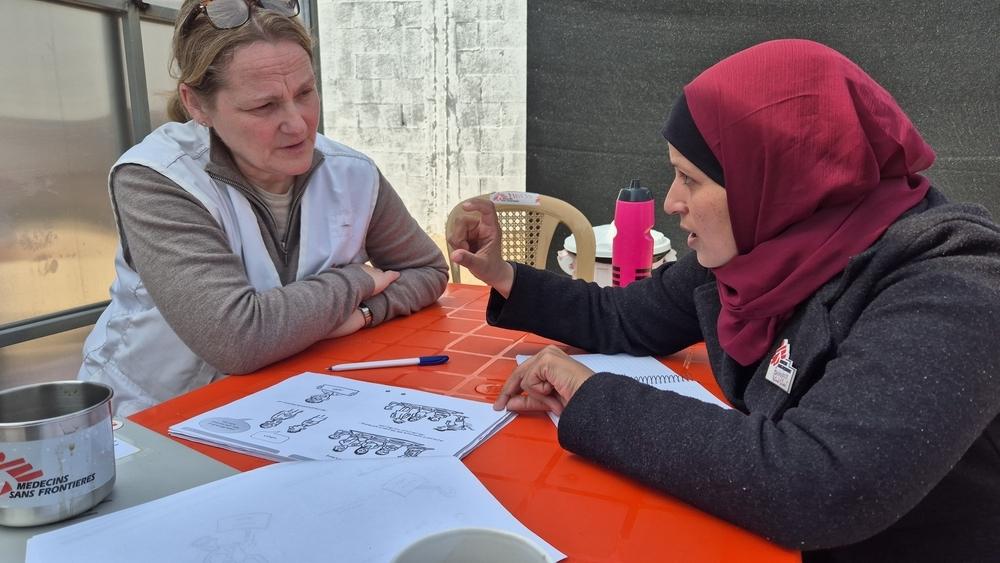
<point x="366" y="312"/>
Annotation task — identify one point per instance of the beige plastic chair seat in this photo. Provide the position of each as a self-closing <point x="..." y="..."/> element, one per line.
<point x="528" y="221"/>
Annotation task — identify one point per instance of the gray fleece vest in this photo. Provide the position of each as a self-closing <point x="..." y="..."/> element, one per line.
<point x="132" y="347"/>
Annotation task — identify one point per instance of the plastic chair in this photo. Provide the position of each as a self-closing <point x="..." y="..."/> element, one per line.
<point x="528" y="221"/>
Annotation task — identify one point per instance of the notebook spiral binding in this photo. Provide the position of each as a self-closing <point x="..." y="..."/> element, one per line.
<point x="659" y="379"/>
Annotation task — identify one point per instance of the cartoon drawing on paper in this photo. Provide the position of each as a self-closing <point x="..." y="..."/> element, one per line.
<point x="279" y="417"/>
<point x="457" y="423"/>
<point x="410" y="412"/>
<point x="405" y="483"/>
<point x="364" y="442"/>
<point x="311" y="421"/>
<point x="234" y="540"/>
<point x="326" y="391"/>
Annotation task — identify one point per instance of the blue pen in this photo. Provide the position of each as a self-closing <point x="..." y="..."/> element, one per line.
<point x="421" y="361"/>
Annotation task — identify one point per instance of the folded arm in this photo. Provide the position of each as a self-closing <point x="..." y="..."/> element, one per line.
<point x="201" y="287"/>
<point x="396" y="242"/>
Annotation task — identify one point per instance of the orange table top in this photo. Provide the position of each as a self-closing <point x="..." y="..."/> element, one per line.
<point x="588" y="512"/>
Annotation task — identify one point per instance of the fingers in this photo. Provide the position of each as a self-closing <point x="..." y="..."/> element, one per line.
<point x="464" y="230"/>
<point x="459" y="230"/>
<point x="549" y="379"/>
<point x="388" y="278"/>
<point x="382" y="279"/>
<point x="484" y="207"/>
<point x="542" y="392"/>
<point x="533" y="403"/>
<point x="471" y="261"/>
<point x="489" y="268"/>
<point x="510" y="388"/>
<point x="531" y="377"/>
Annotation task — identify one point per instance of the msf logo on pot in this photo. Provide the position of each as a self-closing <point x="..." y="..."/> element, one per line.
<point x="15" y="471"/>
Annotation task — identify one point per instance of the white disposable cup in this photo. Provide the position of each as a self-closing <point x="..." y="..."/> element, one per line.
<point x="473" y="545"/>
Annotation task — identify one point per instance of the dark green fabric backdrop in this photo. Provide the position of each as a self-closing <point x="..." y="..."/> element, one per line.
<point x="602" y="76"/>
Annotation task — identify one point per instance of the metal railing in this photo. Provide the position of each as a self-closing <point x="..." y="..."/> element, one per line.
<point x="131" y="13"/>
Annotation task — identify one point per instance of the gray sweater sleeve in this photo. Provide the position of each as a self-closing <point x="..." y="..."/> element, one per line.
<point x="396" y="242"/>
<point x="201" y="288"/>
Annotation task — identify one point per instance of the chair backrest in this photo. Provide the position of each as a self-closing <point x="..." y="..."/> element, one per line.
<point x="528" y="221"/>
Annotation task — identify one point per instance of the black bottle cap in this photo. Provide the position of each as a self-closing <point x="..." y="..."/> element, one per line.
<point x="634" y="192"/>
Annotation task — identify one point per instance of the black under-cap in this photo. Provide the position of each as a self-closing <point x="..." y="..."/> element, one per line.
<point x="681" y="132"/>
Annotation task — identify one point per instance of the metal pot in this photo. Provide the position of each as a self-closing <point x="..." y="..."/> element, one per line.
<point x="57" y="455"/>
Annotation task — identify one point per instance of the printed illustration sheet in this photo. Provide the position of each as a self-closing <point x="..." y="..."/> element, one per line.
<point x="314" y="416"/>
<point x="363" y="510"/>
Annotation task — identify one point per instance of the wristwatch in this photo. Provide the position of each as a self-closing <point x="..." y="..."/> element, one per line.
<point x="366" y="312"/>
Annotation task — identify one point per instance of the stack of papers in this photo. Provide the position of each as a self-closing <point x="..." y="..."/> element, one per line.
<point x="314" y="416"/>
<point x="358" y="511"/>
<point x="645" y="369"/>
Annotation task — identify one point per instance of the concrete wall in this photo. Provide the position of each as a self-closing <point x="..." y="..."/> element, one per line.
<point x="433" y="90"/>
<point x="436" y="90"/>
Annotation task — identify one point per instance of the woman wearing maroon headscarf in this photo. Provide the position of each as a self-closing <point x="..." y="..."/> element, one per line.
<point x="850" y="314"/>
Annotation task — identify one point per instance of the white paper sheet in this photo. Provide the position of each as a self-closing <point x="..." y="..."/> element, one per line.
<point x="646" y="369"/>
<point x="316" y="416"/>
<point x="359" y="511"/>
<point x="123" y="448"/>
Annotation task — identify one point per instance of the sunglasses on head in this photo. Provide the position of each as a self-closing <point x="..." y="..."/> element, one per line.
<point x="230" y="14"/>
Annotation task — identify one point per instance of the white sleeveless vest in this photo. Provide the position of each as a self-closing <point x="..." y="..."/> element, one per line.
<point x="132" y="348"/>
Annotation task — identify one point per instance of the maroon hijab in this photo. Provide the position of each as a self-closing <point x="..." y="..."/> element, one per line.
<point x="818" y="160"/>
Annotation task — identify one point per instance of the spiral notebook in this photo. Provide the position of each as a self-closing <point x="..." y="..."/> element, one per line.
<point x="645" y="369"/>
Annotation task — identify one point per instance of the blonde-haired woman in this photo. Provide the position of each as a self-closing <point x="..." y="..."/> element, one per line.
<point x="244" y="232"/>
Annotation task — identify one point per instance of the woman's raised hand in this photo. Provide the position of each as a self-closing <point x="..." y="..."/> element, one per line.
<point x="475" y="235"/>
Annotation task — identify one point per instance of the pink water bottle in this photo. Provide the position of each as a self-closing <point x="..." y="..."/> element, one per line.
<point x="632" y="248"/>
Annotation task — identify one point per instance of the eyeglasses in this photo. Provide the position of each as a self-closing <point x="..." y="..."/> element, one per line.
<point x="230" y="14"/>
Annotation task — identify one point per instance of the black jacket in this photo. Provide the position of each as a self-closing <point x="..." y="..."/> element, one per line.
<point x="887" y="448"/>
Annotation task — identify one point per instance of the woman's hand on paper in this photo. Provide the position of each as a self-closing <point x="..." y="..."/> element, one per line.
<point x="475" y="235"/>
<point x="545" y="382"/>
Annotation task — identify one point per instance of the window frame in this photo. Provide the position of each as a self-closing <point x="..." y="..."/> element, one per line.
<point x="130" y="13"/>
